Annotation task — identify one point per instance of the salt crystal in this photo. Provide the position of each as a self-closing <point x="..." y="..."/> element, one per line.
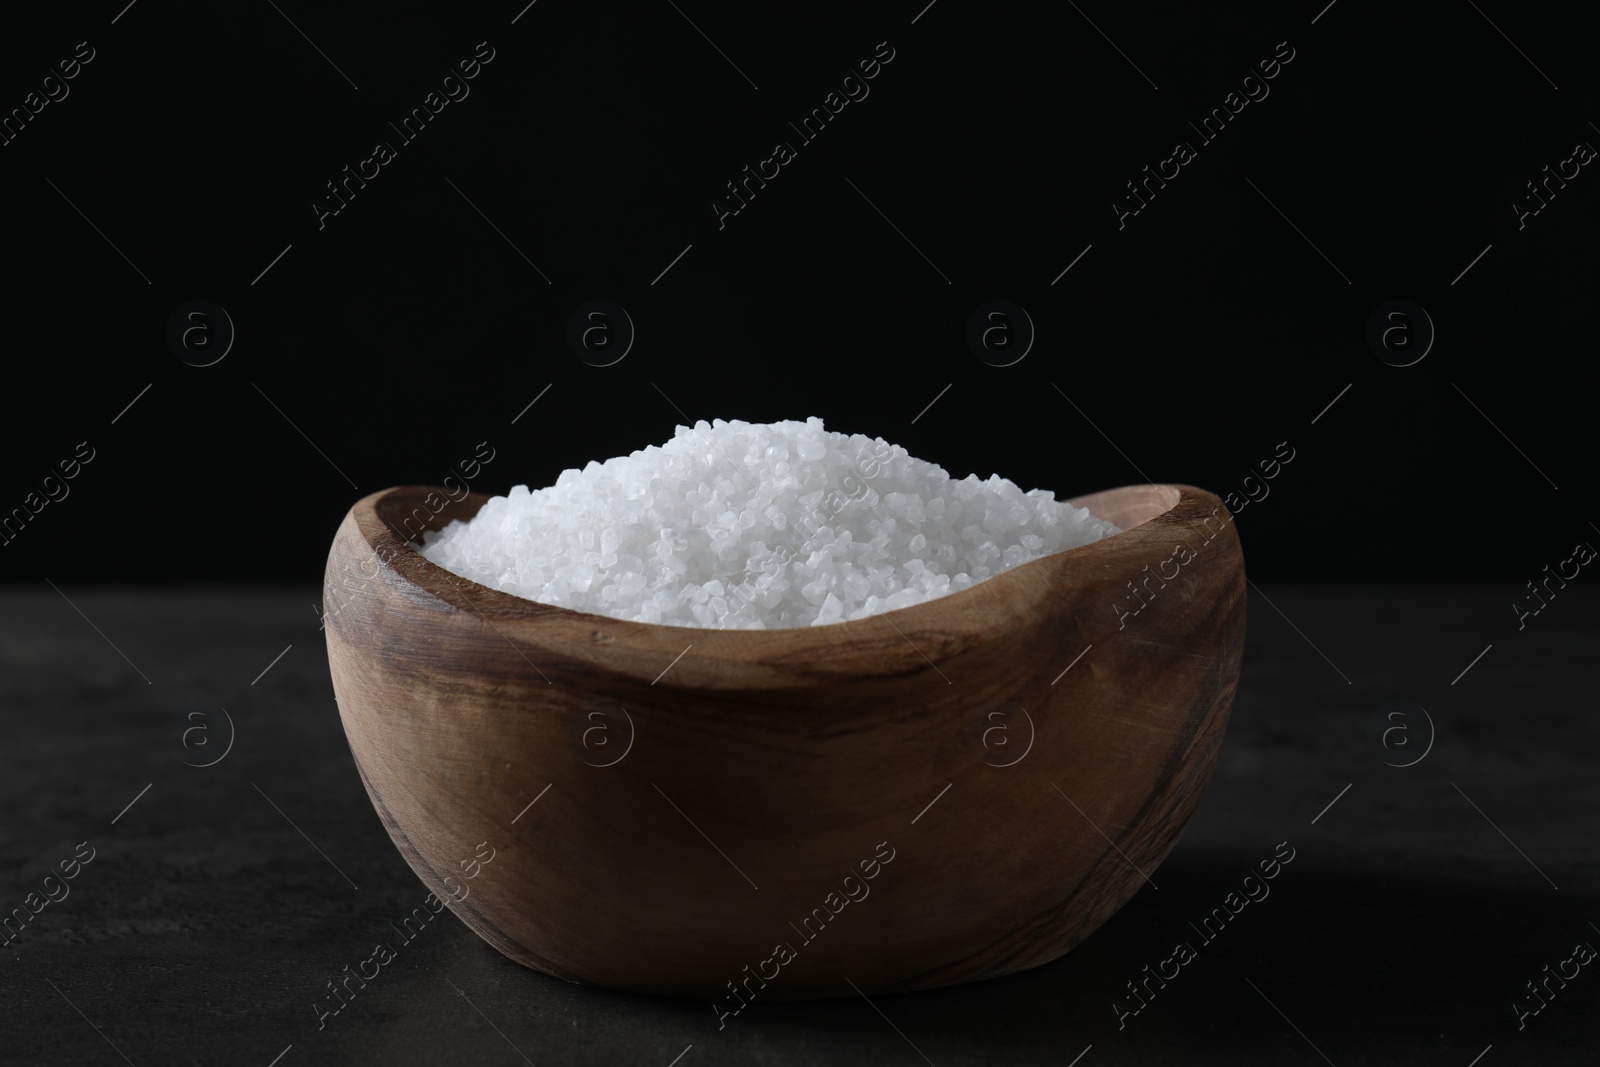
<point x="756" y="526"/>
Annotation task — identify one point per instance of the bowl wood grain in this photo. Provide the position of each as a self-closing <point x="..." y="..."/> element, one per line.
<point x="669" y="806"/>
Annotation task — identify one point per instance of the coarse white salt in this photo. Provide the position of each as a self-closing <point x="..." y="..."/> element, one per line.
<point x="743" y="525"/>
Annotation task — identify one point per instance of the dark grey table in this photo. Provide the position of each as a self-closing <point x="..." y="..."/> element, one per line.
<point x="221" y="900"/>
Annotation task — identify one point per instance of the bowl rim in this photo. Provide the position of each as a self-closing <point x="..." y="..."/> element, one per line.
<point x="987" y="610"/>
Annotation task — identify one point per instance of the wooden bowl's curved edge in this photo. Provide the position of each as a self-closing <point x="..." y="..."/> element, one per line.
<point x="1211" y="726"/>
<point x="475" y="919"/>
<point x="953" y="622"/>
<point x="1209" y="730"/>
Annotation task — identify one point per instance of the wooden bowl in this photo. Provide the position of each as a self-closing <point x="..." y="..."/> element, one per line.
<point x="952" y="791"/>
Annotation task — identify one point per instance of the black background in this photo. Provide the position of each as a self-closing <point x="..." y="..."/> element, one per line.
<point x="406" y="329"/>
<point x="1184" y="347"/>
